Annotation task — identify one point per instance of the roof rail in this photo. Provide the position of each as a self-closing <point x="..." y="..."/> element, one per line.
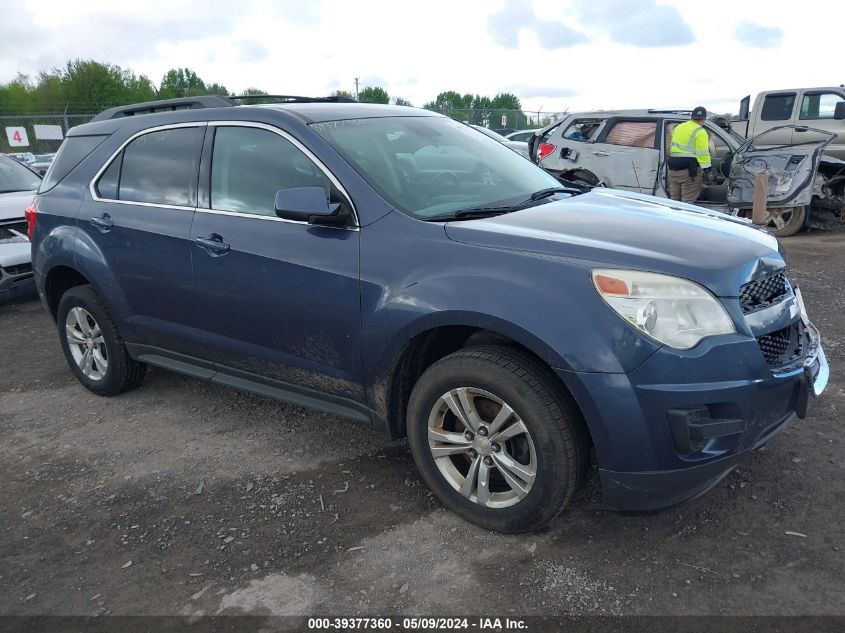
<point x="294" y="98"/>
<point x="669" y="111"/>
<point x="165" y="105"/>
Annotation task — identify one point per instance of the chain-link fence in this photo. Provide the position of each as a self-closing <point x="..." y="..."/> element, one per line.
<point x="34" y="139"/>
<point x="496" y="119"/>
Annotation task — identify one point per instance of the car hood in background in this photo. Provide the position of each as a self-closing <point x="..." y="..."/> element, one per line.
<point x="607" y="227"/>
<point x="13" y="205"/>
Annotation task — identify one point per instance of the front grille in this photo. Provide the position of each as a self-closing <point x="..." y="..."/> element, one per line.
<point x="759" y="294"/>
<point x="17" y="225"/>
<point x="783" y="348"/>
<point x="20" y="269"/>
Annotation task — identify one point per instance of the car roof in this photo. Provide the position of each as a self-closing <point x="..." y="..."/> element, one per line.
<point x="322" y="112"/>
<point x="308" y="112"/>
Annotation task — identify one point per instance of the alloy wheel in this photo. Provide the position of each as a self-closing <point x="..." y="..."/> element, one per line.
<point x="86" y="343"/>
<point x="482" y="447"/>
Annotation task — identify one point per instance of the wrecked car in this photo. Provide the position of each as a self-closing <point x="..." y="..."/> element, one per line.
<point x="627" y="149"/>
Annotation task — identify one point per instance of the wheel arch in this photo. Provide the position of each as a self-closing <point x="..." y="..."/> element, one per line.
<point x="430" y="344"/>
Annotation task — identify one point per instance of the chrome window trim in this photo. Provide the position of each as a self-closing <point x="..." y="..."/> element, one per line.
<point x="92" y="189"/>
<point x="308" y="153"/>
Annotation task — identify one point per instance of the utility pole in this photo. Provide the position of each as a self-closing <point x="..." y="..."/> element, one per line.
<point x="356" y="88"/>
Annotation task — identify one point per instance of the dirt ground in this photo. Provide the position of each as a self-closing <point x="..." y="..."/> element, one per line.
<point x="186" y="498"/>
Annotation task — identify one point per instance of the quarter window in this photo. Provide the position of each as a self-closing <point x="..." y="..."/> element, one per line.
<point x="820" y="105"/>
<point x="632" y="133"/>
<point x="249" y="165"/>
<point x="156" y="168"/>
<point x="778" y="107"/>
<point x="581" y="130"/>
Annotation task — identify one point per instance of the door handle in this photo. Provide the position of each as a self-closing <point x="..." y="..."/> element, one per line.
<point x="104" y="223"/>
<point x="214" y="244"/>
<point x="601" y="153"/>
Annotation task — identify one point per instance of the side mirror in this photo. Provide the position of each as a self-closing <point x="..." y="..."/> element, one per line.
<point x="839" y="111"/>
<point x="307" y="204"/>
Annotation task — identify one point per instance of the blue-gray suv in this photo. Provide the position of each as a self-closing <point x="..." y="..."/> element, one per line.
<point x="398" y="267"/>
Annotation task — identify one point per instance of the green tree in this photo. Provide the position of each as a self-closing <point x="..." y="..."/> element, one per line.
<point x="342" y="93"/>
<point x="373" y="94"/>
<point x="402" y="102"/>
<point x="181" y="82"/>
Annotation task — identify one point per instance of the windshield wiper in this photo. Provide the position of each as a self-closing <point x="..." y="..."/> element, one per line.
<point x="483" y="212"/>
<point x="545" y="193"/>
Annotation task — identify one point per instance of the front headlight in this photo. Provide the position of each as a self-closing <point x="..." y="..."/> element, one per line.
<point x="674" y="311"/>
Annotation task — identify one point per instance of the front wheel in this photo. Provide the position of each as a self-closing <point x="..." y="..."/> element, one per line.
<point x="496" y="439"/>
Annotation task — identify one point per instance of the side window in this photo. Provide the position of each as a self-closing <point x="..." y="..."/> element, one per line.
<point x="819" y="105"/>
<point x="778" y="107"/>
<point x="107" y="185"/>
<point x="156" y="168"/>
<point x="249" y="165"/>
<point x="581" y="130"/>
<point x="632" y="133"/>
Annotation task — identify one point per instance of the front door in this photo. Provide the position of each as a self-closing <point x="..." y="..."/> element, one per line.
<point x="139" y="218"/>
<point x="276" y="299"/>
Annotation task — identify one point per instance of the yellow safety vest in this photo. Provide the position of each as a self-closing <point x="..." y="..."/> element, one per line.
<point x="690" y="139"/>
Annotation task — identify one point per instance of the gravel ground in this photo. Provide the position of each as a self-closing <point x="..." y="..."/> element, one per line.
<point x="187" y="498"/>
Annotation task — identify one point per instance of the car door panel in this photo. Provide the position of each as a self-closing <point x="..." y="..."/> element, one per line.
<point x="146" y="244"/>
<point x="791" y="173"/>
<point x="274" y="297"/>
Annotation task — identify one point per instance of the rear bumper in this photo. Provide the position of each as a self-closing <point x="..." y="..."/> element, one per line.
<point x="735" y="404"/>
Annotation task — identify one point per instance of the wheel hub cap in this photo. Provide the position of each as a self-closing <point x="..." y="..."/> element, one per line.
<point x="483" y="446"/>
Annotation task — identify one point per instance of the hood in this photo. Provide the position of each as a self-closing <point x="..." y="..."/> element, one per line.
<point x="607" y="227"/>
<point x="12" y="205"/>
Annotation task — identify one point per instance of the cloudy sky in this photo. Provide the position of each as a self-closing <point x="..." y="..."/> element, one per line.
<point x="554" y="54"/>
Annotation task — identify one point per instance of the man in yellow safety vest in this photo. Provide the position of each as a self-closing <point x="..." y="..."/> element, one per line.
<point x="689" y="156"/>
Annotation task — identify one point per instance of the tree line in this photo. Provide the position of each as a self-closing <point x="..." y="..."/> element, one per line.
<point x="88" y="86"/>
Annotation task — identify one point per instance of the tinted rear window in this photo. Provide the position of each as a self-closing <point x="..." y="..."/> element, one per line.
<point x="778" y="107"/>
<point x="158" y="168"/>
<point x="73" y="150"/>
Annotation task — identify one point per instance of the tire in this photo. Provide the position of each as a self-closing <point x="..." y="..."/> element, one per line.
<point x="86" y="325"/>
<point x="555" y="446"/>
<point x="785" y="222"/>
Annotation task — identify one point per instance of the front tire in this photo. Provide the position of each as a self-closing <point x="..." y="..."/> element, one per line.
<point x="496" y="439"/>
<point x="93" y="346"/>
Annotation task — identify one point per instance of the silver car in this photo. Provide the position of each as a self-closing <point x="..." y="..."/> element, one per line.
<point x="519" y="147"/>
<point x="17" y="189"/>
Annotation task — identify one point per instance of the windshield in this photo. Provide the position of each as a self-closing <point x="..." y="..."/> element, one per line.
<point x="433" y="166"/>
<point x="16" y="177"/>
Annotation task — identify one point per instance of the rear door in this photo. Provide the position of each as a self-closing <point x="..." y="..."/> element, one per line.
<point x="139" y="217"/>
<point x="626" y="155"/>
<point x="816" y="111"/>
<point x="275" y="298"/>
<point x="776" y="109"/>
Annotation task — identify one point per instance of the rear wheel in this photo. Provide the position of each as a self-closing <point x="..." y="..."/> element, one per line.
<point x="93" y="346"/>
<point x="785" y="222"/>
<point x="496" y="439"/>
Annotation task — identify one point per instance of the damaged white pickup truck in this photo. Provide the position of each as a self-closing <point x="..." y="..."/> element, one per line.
<point x="627" y="149"/>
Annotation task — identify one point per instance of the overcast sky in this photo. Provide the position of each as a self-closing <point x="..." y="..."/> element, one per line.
<point x="553" y="54"/>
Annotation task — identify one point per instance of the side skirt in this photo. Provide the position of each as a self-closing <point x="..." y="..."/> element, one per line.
<point x="276" y="389"/>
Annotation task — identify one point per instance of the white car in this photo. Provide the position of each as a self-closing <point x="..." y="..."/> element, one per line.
<point x="17" y="189"/>
<point x="521" y="135"/>
<point x="517" y="146"/>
